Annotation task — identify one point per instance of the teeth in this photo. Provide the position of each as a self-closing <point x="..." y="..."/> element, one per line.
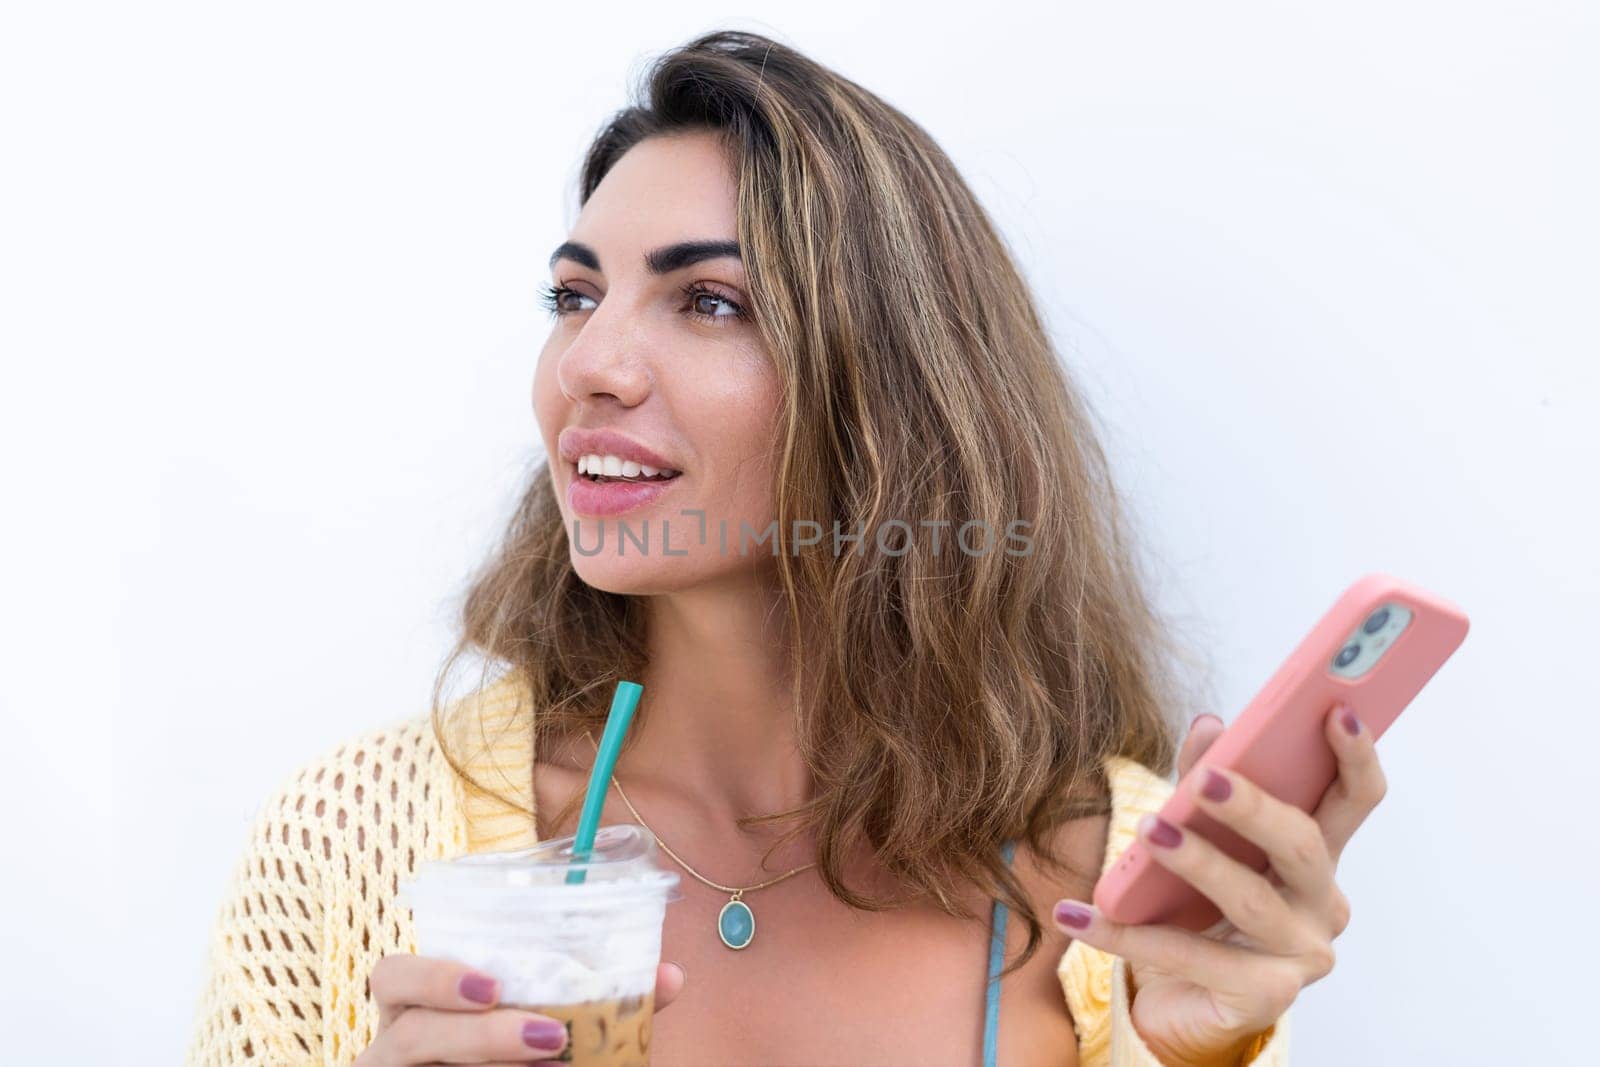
<point x="617" y="467"/>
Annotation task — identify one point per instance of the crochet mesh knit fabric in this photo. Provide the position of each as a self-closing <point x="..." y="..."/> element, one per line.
<point x="312" y="898"/>
<point x="310" y="906"/>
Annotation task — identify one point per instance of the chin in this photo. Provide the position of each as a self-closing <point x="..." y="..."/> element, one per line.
<point x="615" y="563"/>
<point x="606" y="559"/>
<point x="635" y="575"/>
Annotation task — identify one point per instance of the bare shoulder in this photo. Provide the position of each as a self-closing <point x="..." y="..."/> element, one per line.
<point x="1079" y="846"/>
<point x="569" y="750"/>
<point x="1036" y="1024"/>
<point x="1083" y="845"/>
<point x="560" y="774"/>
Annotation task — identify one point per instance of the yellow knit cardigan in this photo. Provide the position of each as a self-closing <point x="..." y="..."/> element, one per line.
<point x="310" y="905"/>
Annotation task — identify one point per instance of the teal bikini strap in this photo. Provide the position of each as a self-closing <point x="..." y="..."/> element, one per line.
<point x="997" y="953"/>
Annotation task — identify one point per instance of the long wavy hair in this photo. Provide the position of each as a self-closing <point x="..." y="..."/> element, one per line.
<point x="946" y="701"/>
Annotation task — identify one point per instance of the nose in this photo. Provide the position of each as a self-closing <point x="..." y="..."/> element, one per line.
<point x="604" y="362"/>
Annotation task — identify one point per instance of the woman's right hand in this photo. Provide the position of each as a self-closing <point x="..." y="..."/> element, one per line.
<point x="433" y="1011"/>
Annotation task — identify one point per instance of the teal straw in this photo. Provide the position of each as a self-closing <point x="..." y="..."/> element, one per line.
<point x="623" y="703"/>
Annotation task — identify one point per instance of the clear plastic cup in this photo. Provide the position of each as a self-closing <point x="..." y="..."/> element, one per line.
<point x="584" y="953"/>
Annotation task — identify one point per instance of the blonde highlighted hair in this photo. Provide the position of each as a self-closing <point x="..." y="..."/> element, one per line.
<point x="946" y="702"/>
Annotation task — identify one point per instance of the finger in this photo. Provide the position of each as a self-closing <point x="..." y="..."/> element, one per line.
<point x="1292" y="840"/>
<point x="669" y="983"/>
<point x="1248" y="989"/>
<point x="428" y="1035"/>
<point x="1244" y="896"/>
<point x="1202" y="733"/>
<point x="1205" y="961"/>
<point x="402" y="980"/>
<point x="1361" y="783"/>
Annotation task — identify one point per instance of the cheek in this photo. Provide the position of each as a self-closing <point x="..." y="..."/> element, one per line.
<point x="548" y="400"/>
<point x="744" y="422"/>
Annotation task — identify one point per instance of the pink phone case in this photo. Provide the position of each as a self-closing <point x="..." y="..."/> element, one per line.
<point x="1277" y="741"/>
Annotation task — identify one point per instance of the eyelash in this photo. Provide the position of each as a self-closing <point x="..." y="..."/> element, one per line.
<point x="550" y="296"/>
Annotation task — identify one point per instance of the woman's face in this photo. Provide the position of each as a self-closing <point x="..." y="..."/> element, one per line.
<point x="650" y="361"/>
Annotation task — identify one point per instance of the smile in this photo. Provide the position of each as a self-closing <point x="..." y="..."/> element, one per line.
<point x="608" y="468"/>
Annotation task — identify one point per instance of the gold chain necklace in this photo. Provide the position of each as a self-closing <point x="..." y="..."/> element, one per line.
<point x="736" y="923"/>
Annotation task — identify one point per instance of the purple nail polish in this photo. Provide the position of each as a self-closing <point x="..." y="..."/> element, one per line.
<point x="1348" y="720"/>
<point x="544" y="1034"/>
<point x="478" y="988"/>
<point x="1215" y="786"/>
<point x="1161" y="832"/>
<point x="1074" y="915"/>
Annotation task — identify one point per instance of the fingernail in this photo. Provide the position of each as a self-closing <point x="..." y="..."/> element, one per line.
<point x="1161" y="832"/>
<point x="545" y="1034"/>
<point x="1348" y="720"/>
<point x="1215" y="786"/>
<point x="1074" y="915"/>
<point x="478" y="988"/>
<point x="1203" y="715"/>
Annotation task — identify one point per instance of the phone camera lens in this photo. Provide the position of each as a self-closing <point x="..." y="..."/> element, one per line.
<point x="1375" y="623"/>
<point x="1346" y="654"/>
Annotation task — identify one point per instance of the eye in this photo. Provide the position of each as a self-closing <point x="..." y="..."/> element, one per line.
<point x="697" y="293"/>
<point x="553" y="298"/>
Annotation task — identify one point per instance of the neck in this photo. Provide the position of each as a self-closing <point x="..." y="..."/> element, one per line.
<point x="717" y="726"/>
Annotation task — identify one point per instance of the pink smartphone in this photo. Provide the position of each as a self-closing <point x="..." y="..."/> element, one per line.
<point x="1374" y="650"/>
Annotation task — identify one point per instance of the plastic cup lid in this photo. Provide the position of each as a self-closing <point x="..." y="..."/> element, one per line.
<point x="622" y="861"/>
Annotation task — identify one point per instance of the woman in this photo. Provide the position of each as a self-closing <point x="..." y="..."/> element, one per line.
<point x="901" y="680"/>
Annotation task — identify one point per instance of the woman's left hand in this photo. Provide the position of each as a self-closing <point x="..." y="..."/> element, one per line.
<point x="1201" y="998"/>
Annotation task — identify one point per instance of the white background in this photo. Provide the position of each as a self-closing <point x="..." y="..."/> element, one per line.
<point x="1327" y="271"/>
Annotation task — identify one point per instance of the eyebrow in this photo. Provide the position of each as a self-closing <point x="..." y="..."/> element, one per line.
<point x="663" y="260"/>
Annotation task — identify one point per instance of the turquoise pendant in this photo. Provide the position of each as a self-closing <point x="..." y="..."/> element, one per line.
<point x="736" y="924"/>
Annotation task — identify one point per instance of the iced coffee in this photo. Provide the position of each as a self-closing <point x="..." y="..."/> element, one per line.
<point x="606" y="1033"/>
<point x="584" y="953"/>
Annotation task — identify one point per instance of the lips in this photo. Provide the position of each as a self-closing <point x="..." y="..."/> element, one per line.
<point x="602" y="496"/>
<point x="575" y="442"/>
<point x="606" y="499"/>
